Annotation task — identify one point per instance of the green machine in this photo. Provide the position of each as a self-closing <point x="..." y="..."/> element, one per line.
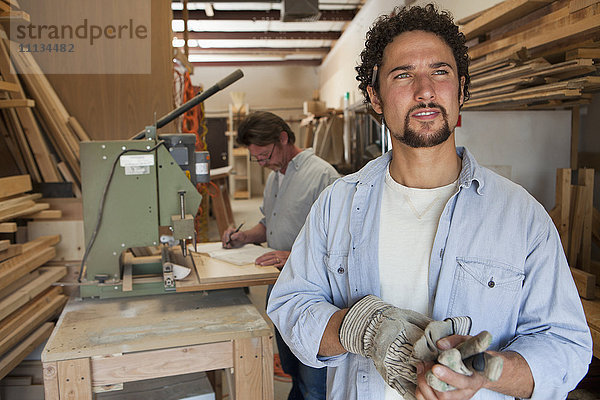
<point x="136" y="193"/>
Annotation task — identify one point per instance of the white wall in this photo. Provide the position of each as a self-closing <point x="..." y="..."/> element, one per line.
<point x="279" y="89"/>
<point x="337" y="75"/>
<point x="531" y="144"/>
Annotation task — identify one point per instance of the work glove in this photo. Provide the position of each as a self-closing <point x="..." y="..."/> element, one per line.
<point x="386" y="334"/>
<point x="467" y="358"/>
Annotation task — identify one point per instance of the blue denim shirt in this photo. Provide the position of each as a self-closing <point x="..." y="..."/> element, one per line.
<point x="497" y="258"/>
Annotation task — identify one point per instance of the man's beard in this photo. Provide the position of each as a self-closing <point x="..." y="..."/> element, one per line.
<point x="413" y="139"/>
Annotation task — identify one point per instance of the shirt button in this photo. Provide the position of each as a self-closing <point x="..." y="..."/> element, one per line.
<point x="340" y="270"/>
<point x="270" y="233"/>
<point x="274" y="213"/>
<point x="442" y="252"/>
<point x="491" y="283"/>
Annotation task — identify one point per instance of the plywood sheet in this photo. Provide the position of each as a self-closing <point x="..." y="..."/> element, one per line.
<point x="121" y="105"/>
<point x="211" y="270"/>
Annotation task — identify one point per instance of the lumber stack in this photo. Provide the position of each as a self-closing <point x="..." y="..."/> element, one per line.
<point x="533" y="54"/>
<point x="573" y="216"/>
<point x="34" y="124"/>
<point x="27" y="299"/>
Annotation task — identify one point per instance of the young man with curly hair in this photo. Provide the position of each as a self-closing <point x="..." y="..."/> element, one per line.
<point x="398" y="263"/>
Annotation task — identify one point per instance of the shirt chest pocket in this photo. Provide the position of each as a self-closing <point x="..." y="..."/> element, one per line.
<point x="487" y="290"/>
<point x="337" y="275"/>
<point x="337" y="264"/>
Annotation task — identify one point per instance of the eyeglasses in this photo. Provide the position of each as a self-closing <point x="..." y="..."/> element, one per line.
<point x="259" y="160"/>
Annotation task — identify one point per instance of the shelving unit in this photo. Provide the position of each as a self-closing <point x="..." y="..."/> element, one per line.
<point x="241" y="173"/>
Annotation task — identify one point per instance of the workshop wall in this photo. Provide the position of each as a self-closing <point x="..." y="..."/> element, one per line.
<point x="279" y="89"/>
<point x="528" y="145"/>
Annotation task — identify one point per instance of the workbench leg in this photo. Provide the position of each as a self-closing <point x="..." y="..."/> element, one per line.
<point x="75" y="379"/>
<point x="267" y="367"/>
<point x="249" y="368"/>
<point x="216" y="380"/>
<point x="50" y="371"/>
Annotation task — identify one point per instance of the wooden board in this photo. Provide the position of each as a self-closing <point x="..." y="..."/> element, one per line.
<point x="37" y="207"/>
<point x="592" y="314"/>
<point x="18" y="284"/>
<point x="585" y="282"/>
<point x="71" y="246"/>
<point x="18" y="266"/>
<point x="48" y="275"/>
<point x="111" y="370"/>
<point x="17" y="103"/>
<point x="93" y="327"/>
<point x="28" y="318"/>
<point x="13" y="185"/>
<point x="18" y="354"/>
<point x="47" y="214"/>
<point x="500" y="14"/>
<point x="211" y="270"/>
<point x="19" y="199"/>
<point x="13" y="250"/>
<point x="8" y="227"/>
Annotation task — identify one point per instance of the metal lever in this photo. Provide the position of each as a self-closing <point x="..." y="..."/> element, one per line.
<point x="182" y="206"/>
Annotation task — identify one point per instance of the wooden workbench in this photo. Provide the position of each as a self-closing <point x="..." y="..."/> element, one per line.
<point x="592" y="314"/>
<point x="98" y="345"/>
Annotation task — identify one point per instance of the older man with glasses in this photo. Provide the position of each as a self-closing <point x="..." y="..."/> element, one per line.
<point x="298" y="179"/>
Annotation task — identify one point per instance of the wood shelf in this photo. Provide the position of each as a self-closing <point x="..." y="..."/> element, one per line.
<point x="241" y="194"/>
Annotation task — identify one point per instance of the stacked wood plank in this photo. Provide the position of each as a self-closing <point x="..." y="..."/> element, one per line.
<point x="34" y="124"/>
<point x="533" y="54"/>
<point x="27" y="300"/>
<point x="573" y="217"/>
<point x="15" y="202"/>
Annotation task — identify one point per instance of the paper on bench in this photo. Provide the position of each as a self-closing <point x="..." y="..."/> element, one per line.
<point x="240" y="256"/>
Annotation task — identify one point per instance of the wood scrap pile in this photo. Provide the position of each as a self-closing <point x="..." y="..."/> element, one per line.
<point x="27" y="299"/>
<point x="34" y="125"/>
<point x="533" y="54"/>
<point x="573" y="217"/>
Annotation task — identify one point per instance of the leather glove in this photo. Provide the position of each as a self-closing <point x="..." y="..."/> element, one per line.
<point x="384" y="333"/>
<point x="467" y="358"/>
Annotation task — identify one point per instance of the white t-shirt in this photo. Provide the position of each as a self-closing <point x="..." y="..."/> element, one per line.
<point x="409" y="220"/>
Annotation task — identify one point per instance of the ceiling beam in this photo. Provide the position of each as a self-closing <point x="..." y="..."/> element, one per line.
<point x="260" y="50"/>
<point x="312" y="63"/>
<point x="261" y="15"/>
<point x="328" y="35"/>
